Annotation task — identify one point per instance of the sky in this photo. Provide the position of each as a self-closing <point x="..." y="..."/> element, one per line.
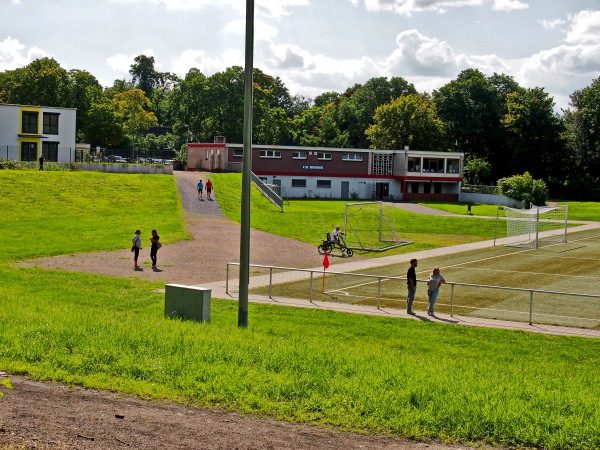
<point x="315" y="46"/>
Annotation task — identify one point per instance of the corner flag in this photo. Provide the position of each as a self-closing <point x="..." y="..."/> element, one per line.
<point x="325" y="262"/>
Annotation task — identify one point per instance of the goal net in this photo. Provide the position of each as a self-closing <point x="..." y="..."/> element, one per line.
<point x="538" y="225"/>
<point x="371" y="226"/>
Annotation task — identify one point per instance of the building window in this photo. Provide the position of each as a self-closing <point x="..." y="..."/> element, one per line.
<point x="434" y="165"/>
<point x="238" y="152"/>
<point x="299" y="155"/>
<point x="28" y="151"/>
<point x="414" y="164"/>
<point x="270" y="154"/>
<point x="51" y="123"/>
<point x="50" y="151"/>
<point x="325" y="184"/>
<point x="30" y="122"/>
<point x="299" y="183"/>
<point x="323" y="155"/>
<point x="383" y="164"/>
<point x="452" y="165"/>
<point x="352" y="157"/>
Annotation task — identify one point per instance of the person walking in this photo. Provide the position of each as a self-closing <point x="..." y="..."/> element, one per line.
<point x="200" y="189"/>
<point x="209" y="188"/>
<point x="411" y="285"/>
<point x="434" y="282"/>
<point x="41" y="160"/>
<point x="155" y="240"/>
<point x="136" y="247"/>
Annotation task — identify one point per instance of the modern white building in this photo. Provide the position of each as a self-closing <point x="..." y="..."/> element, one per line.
<point x="27" y="132"/>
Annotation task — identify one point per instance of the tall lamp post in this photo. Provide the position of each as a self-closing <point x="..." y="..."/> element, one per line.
<point x="187" y="134"/>
<point x="244" y="278"/>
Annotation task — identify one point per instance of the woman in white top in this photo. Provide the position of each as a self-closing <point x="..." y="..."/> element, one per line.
<point x="434" y="282"/>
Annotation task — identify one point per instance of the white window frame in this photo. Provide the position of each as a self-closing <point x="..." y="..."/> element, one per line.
<point x="238" y="152"/>
<point x="299" y="155"/>
<point x="270" y="153"/>
<point x="326" y="182"/>
<point x="352" y="157"/>
<point x="324" y="156"/>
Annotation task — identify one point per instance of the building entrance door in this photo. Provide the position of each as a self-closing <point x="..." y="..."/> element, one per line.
<point x="345" y="189"/>
<point x="382" y="190"/>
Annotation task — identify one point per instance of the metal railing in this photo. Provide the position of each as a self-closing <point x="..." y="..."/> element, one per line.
<point x="267" y="191"/>
<point x="380" y="278"/>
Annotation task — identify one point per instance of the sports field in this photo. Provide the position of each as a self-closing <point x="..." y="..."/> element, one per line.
<point x="573" y="268"/>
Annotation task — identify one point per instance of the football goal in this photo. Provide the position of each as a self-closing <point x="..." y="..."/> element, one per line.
<point x="538" y="225"/>
<point x="371" y="226"/>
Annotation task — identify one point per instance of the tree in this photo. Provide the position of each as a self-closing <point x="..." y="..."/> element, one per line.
<point x="477" y="171"/>
<point x="84" y="90"/>
<point x="104" y="125"/>
<point x="143" y="74"/>
<point x="132" y="106"/>
<point x="582" y="136"/>
<point x="409" y="120"/>
<point x="533" y="133"/>
<point x="524" y="187"/>
<point x="41" y="82"/>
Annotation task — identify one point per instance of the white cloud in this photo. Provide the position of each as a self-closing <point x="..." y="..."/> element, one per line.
<point x="12" y="57"/>
<point x="121" y="63"/>
<point x="585" y="28"/>
<point x="407" y="7"/>
<point x="551" y="24"/>
<point x="262" y="31"/>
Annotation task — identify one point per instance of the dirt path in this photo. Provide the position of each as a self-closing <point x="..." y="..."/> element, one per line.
<point x="52" y="416"/>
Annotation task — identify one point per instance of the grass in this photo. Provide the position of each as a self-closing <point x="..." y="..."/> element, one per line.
<point x="367" y="374"/>
<point x="58" y="213"/>
<point x="359" y="373"/>
<point x="309" y="220"/>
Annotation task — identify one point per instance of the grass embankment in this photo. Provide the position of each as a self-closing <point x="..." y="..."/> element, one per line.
<point x="370" y="374"/>
<point x="59" y="213"/>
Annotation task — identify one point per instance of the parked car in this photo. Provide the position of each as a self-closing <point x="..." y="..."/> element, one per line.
<point x="117" y="159"/>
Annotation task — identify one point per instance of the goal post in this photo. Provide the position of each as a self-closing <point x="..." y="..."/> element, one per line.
<point x="538" y="225"/>
<point x="371" y="226"/>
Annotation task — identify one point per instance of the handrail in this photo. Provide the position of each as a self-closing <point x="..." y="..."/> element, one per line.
<point x="267" y="191"/>
<point x="384" y="277"/>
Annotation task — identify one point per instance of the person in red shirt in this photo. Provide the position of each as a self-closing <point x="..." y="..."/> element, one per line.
<point x="209" y="187"/>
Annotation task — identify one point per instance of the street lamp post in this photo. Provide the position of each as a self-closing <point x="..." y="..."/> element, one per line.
<point x="187" y="134"/>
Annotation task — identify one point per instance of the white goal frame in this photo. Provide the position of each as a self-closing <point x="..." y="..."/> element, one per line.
<point x="385" y="237"/>
<point x="538" y="225"/>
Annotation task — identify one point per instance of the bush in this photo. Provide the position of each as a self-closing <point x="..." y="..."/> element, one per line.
<point x="524" y="187"/>
<point x="9" y="164"/>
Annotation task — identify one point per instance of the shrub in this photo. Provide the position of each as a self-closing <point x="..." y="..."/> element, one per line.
<point x="524" y="187"/>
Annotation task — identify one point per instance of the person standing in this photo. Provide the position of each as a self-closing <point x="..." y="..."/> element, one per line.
<point x="136" y="247"/>
<point x="411" y="285"/>
<point x="200" y="189"/>
<point x="209" y="187"/>
<point x="41" y="160"/>
<point x="155" y="240"/>
<point x="434" y="282"/>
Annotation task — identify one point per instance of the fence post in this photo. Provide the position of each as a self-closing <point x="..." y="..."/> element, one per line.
<point x="227" y="279"/>
<point x="270" y="282"/>
<point x="379" y="293"/>
<point x="452" y="301"/>
<point x="311" y="280"/>
<point x="530" y="307"/>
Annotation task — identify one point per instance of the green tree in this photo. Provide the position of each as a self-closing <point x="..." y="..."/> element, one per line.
<point x="143" y="74"/>
<point x="409" y="120"/>
<point x="524" y="187"/>
<point x="583" y="143"/>
<point x="132" y="106"/>
<point x="534" y="134"/>
<point x="477" y="171"/>
<point x="104" y="125"/>
<point x="84" y="91"/>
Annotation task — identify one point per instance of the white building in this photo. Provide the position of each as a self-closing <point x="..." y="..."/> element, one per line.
<point x="26" y="132"/>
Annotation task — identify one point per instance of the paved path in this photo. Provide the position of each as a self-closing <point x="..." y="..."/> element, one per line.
<point x="230" y="290"/>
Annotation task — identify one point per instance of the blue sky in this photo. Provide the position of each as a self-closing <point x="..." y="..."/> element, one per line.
<point x="316" y="45"/>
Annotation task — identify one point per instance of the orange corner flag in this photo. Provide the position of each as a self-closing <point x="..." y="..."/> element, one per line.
<point x="325" y="261"/>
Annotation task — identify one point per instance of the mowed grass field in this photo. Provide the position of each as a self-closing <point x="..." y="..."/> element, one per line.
<point x="367" y="374"/>
<point x="573" y="267"/>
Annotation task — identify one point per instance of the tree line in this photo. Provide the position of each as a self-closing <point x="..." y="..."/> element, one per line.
<point x="503" y="128"/>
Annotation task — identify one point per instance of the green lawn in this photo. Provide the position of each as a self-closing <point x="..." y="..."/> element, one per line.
<point x="368" y="374"/>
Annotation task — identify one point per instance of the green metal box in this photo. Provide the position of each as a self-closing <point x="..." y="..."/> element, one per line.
<point x="187" y="302"/>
